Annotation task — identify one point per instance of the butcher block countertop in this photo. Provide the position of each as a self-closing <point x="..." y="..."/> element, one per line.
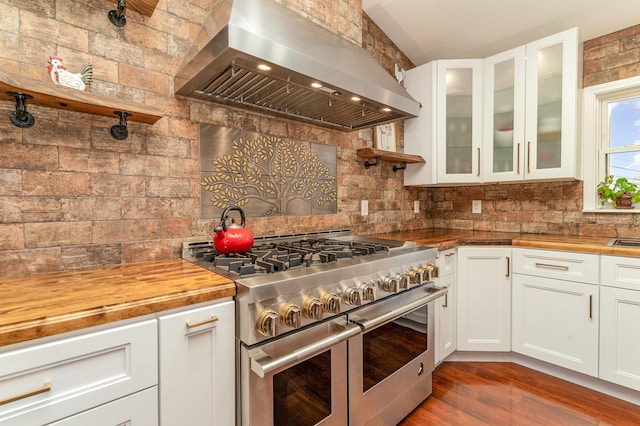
<point x="43" y="305"/>
<point x="450" y="238"/>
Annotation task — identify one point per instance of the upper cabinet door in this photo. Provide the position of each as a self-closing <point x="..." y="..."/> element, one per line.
<point x="459" y="120"/>
<point x="503" y="137"/>
<point x="551" y="92"/>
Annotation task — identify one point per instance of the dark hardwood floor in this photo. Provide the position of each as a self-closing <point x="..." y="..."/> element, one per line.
<point x="487" y="393"/>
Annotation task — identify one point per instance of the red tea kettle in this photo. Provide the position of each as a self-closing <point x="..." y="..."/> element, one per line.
<point x="234" y="238"/>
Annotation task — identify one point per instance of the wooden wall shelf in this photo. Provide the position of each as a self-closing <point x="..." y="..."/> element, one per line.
<point x="393" y="157"/>
<point x="52" y="96"/>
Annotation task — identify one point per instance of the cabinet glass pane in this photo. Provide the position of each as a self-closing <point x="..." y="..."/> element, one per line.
<point x="549" y="107"/>
<point x="459" y="107"/>
<point x="503" y="105"/>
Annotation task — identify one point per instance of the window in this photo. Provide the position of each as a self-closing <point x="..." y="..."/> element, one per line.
<point x="611" y="136"/>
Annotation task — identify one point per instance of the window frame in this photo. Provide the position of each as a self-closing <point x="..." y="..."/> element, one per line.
<point x="595" y="101"/>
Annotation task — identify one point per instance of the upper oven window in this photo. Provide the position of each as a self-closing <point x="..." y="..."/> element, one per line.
<point x="302" y="393"/>
<point x="389" y="347"/>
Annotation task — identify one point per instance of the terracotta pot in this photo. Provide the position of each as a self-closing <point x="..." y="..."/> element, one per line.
<point x="624" y="202"/>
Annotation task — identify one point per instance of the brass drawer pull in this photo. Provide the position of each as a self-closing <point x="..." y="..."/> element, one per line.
<point x="508" y="267"/>
<point x="446" y="301"/>
<point x="45" y="388"/>
<point x="591" y="306"/>
<point x="203" y="322"/>
<point x="550" y="266"/>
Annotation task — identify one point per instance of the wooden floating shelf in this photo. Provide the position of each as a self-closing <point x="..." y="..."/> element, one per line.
<point x="394" y="157"/>
<point x="59" y="97"/>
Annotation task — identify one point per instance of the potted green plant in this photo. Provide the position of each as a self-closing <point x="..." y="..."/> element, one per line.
<point x="621" y="193"/>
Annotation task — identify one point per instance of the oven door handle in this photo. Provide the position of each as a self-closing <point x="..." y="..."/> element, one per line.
<point x="377" y="320"/>
<point x="266" y="365"/>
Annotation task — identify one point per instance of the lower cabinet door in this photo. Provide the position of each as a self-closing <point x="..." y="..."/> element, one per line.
<point x="445" y="320"/>
<point x="139" y="409"/>
<point x="197" y="366"/>
<point x="620" y="336"/>
<point x="556" y="321"/>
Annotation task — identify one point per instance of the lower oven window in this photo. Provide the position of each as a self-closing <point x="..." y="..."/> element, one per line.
<point x="302" y="393"/>
<point x="389" y="347"/>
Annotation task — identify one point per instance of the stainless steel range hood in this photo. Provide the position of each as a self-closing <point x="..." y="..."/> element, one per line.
<point x="241" y="35"/>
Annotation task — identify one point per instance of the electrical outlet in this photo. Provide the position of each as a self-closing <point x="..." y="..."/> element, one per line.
<point x="476" y="206"/>
<point x="416" y="207"/>
<point x="364" y="207"/>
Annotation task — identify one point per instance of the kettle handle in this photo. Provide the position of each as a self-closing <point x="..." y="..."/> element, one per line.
<point x="223" y="223"/>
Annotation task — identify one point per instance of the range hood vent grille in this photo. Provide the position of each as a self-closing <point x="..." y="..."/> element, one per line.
<point x="241" y="35"/>
<point x="240" y="86"/>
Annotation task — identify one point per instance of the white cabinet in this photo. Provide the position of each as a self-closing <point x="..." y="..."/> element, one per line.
<point x="445" y="315"/>
<point x="46" y="382"/>
<point x="484" y="298"/>
<point x="555" y="308"/>
<point x="530" y="122"/>
<point x="197" y="367"/>
<point x="506" y="118"/>
<point x="619" y="321"/>
<point x="448" y="132"/>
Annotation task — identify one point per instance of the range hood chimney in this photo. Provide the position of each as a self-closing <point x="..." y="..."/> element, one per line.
<point x="259" y="55"/>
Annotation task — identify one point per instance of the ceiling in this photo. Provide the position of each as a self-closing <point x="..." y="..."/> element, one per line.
<point x="452" y="29"/>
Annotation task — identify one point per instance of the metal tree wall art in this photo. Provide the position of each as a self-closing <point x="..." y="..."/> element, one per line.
<point x="272" y="176"/>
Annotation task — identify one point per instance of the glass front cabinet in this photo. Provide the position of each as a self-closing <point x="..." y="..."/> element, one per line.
<point x="530" y="111"/>
<point x="508" y="117"/>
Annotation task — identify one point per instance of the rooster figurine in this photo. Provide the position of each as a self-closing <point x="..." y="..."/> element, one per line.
<point x="60" y="75"/>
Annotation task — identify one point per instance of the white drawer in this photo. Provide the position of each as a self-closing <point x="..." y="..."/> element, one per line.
<point x="570" y="266"/>
<point x="139" y="409"/>
<point x="622" y="272"/>
<point x="446" y="262"/>
<point x="76" y="373"/>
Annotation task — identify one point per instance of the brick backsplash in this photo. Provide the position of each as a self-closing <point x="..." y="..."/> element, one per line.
<point x="551" y="207"/>
<point x="72" y="197"/>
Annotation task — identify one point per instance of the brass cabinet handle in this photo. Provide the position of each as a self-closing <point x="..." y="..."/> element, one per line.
<point x="45" y="388"/>
<point x="529" y="157"/>
<point x="518" y="158"/>
<point x="550" y="266"/>
<point x="478" y="161"/>
<point x="203" y="322"/>
<point x="508" y="267"/>
<point x="446" y="301"/>
<point x="591" y="306"/>
<point x="449" y="254"/>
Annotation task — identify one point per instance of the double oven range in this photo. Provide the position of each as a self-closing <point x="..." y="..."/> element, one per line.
<point x="332" y="328"/>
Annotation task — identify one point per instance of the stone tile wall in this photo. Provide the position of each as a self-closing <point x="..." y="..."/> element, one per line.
<point x="612" y="57"/>
<point x="72" y="197"/>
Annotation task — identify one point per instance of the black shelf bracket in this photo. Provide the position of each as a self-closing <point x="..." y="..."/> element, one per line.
<point x="117" y="17"/>
<point x="396" y="168"/>
<point x="120" y="131"/>
<point x="367" y="164"/>
<point x="20" y="117"/>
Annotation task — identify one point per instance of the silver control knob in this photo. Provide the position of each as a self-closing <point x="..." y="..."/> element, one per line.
<point x="369" y="291"/>
<point x="291" y="316"/>
<point x="331" y="302"/>
<point x="389" y="284"/>
<point x="353" y="296"/>
<point x="430" y="271"/>
<point x="268" y="323"/>
<point x="403" y="281"/>
<point x="313" y="308"/>
<point x="415" y="276"/>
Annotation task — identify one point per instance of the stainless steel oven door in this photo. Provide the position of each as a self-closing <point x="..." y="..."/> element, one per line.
<point x="300" y="379"/>
<point x="391" y="361"/>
